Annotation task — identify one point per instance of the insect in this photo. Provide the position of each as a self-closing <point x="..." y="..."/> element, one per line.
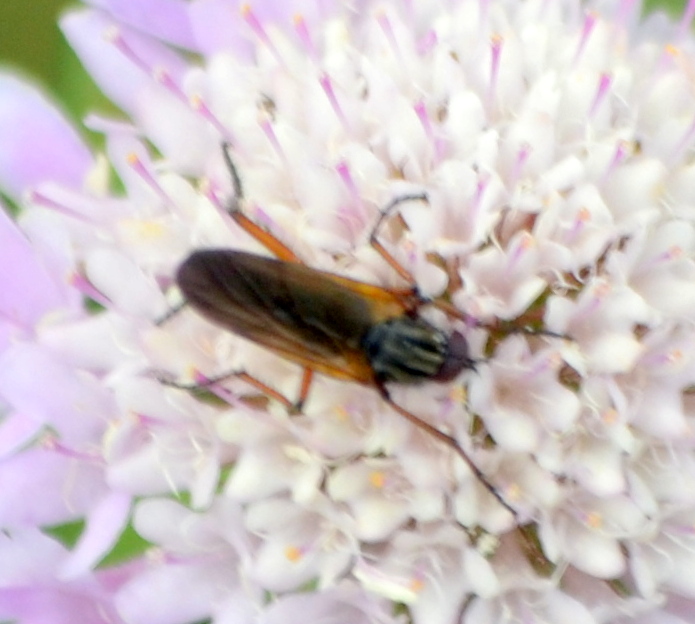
<point x="326" y="323"/>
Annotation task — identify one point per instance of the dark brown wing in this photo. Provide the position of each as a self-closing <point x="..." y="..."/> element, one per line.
<point x="314" y="318"/>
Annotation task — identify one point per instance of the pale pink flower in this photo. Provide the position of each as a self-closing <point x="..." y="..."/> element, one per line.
<point x="553" y="141"/>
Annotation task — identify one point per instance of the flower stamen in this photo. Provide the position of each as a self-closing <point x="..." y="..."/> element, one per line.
<point x="115" y="36"/>
<point x="587" y="29"/>
<point x="377" y="479"/>
<point x="327" y="86"/>
<point x="496" y="44"/>
<point x="266" y="125"/>
<point x="197" y="103"/>
<point x="39" y="199"/>
<point x="293" y="553"/>
<point x="304" y="36"/>
<point x="439" y="146"/>
<point x="136" y="164"/>
<point x="604" y="84"/>
<point x="252" y="20"/>
<point x="387" y="29"/>
<point x="358" y="212"/>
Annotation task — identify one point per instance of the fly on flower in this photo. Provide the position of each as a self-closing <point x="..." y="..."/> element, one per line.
<point x="326" y="323"/>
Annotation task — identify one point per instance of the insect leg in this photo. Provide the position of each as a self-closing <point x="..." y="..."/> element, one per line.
<point x="307" y="378"/>
<point x="270" y="242"/>
<point x="170" y="313"/>
<point x="292" y="407"/>
<point x="528" y="331"/>
<point x="265" y="238"/>
<point x="378" y="246"/>
<point x="449" y="441"/>
<point x="267" y="390"/>
<point x="207" y="382"/>
<point x="446" y="307"/>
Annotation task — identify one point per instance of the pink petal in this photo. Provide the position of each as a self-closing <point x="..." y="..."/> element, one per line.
<point x="118" y="76"/>
<point x="165" y="19"/>
<point x="36" y="142"/>
<point x="35" y="488"/>
<point x="29" y="289"/>
<point x="105" y="522"/>
<point x="45" y="388"/>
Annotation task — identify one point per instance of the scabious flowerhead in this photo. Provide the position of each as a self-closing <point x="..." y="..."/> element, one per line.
<point x="554" y="143"/>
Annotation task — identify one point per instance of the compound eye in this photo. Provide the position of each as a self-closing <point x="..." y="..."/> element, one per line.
<point x="457" y="359"/>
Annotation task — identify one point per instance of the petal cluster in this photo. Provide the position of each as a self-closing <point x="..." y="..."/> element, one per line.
<point x="553" y="142"/>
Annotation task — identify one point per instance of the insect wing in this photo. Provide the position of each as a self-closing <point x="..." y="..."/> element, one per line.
<point x="314" y="318"/>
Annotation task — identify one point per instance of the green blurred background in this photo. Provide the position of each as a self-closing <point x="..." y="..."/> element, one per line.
<point x="31" y="42"/>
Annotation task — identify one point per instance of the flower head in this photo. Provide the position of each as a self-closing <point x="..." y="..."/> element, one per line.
<point x="551" y="143"/>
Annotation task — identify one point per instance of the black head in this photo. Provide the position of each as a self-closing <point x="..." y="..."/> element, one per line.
<point x="411" y="351"/>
